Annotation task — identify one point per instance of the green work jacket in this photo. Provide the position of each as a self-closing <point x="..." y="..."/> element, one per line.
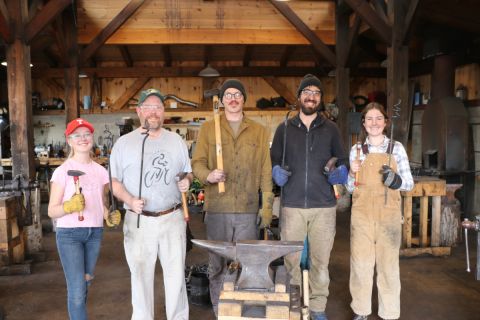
<point x="246" y="161"/>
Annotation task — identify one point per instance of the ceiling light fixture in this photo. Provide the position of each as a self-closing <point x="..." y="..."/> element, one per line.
<point x="332" y="73"/>
<point x="82" y="75"/>
<point x="208" y="72"/>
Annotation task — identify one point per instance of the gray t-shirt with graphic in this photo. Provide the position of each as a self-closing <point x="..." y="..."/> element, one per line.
<point x="164" y="157"/>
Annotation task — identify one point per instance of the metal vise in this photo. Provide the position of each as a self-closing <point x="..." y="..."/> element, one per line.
<point x="474" y="225"/>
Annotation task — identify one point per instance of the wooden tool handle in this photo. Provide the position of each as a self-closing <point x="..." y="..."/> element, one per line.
<point x="335" y="190"/>
<point x="186" y="216"/>
<point x="218" y="142"/>
<point x="306" y="292"/>
<point x="358" y="158"/>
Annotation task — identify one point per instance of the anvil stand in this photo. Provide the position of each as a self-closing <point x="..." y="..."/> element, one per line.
<point x="475" y="225"/>
<point x="253" y="289"/>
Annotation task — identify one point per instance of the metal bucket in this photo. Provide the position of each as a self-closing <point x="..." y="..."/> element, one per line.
<point x="197" y="286"/>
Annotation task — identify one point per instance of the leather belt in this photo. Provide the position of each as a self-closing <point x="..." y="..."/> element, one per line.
<point x="161" y="213"/>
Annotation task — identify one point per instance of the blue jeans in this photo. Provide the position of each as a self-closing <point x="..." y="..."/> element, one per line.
<point x="78" y="249"/>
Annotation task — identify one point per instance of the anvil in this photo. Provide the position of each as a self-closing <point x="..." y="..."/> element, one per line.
<point x="254" y="256"/>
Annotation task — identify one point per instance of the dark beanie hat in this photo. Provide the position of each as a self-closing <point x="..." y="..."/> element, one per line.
<point x="309" y="80"/>
<point x="233" y="83"/>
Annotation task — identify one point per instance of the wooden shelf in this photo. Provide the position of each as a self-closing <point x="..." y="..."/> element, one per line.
<point x="179" y="112"/>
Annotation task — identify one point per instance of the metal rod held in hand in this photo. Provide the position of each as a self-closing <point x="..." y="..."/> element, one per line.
<point x="395" y="114"/>
<point x="146" y="126"/>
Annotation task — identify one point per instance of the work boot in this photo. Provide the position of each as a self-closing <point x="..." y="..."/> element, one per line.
<point x="358" y="317"/>
<point x="319" y="315"/>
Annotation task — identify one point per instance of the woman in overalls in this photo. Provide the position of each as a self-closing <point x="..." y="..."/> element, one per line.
<point x="376" y="179"/>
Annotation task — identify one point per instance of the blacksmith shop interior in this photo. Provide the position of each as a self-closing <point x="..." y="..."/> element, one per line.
<point x="65" y="59"/>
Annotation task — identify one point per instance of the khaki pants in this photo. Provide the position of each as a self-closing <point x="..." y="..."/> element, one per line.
<point x="375" y="236"/>
<point x="319" y="225"/>
<point x="226" y="227"/>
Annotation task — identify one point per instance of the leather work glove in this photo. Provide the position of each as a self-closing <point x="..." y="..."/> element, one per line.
<point x="266" y="210"/>
<point x="390" y="178"/>
<point x="338" y="176"/>
<point x="75" y="204"/>
<point x="280" y="175"/>
<point x="114" y="218"/>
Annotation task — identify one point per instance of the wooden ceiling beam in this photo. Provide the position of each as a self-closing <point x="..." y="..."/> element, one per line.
<point x="127" y="58"/>
<point x="4" y="24"/>
<point x="131" y="91"/>
<point x="287" y="52"/>
<point x="372" y="18"/>
<point x="409" y="20"/>
<point x="167" y="56"/>
<point x="172" y="72"/>
<point x="110" y="29"/>
<point x="352" y="39"/>
<point x="381" y="9"/>
<point x="281" y="89"/>
<point x="211" y="36"/>
<point x="295" y="20"/>
<point x="247" y="56"/>
<point x="52" y="9"/>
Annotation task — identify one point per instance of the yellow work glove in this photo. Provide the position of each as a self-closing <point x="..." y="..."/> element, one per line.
<point x="114" y="218"/>
<point x="75" y="204"/>
<point x="266" y="210"/>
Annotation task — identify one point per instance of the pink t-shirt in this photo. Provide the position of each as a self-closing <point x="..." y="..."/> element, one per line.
<point x="92" y="184"/>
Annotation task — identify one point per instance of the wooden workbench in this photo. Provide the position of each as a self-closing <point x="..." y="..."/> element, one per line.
<point x="52" y="162"/>
<point x="425" y="188"/>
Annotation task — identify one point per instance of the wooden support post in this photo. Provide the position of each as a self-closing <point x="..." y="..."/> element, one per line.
<point x="342" y="73"/>
<point x="436" y="218"/>
<point x="407" y="222"/>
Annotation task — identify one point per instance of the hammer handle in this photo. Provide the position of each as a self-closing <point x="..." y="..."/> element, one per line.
<point x="218" y="142"/>
<point x="186" y="216"/>
<point x="335" y="190"/>
<point x="358" y="158"/>
<point x="78" y="191"/>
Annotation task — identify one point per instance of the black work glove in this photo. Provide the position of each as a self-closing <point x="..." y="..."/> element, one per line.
<point x="390" y="178"/>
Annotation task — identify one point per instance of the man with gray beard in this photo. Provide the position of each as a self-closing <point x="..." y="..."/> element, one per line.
<point x="300" y="150"/>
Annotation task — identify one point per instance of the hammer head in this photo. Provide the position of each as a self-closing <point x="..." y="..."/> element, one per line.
<point x="180" y="176"/>
<point x="211" y="93"/>
<point x="75" y="173"/>
<point x="330" y="165"/>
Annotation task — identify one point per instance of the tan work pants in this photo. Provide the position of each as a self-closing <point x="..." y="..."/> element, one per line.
<point x="375" y="237"/>
<point x="319" y="225"/>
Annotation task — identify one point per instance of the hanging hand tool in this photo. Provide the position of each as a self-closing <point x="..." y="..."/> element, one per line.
<point x="180" y="177"/>
<point x="76" y="175"/>
<point x="213" y="93"/>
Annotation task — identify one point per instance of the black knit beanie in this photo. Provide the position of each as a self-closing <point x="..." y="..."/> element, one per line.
<point x="233" y="83"/>
<point x="309" y="80"/>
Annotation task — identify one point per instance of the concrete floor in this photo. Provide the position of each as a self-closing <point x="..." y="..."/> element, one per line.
<point x="432" y="287"/>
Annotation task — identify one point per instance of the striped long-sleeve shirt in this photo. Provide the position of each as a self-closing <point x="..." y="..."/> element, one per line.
<point x="400" y="155"/>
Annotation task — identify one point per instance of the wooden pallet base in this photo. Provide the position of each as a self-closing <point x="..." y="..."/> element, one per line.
<point x="434" y="251"/>
<point x="282" y="304"/>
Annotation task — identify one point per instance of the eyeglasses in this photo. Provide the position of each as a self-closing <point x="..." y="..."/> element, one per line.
<point x="151" y="107"/>
<point x="78" y="136"/>
<point x="230" y="96"/>
<point x="307" y="92"/>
